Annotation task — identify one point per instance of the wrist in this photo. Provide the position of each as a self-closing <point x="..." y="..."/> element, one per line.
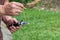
<point x="2" y="11"/>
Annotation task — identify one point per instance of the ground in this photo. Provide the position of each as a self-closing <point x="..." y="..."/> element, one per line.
<point x="44" y="25"/>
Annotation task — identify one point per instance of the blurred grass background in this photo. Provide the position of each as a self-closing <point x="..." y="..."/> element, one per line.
<point x="44" y="24"/>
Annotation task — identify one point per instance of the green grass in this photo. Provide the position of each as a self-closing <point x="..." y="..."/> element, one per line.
<point x="44" y="25"/>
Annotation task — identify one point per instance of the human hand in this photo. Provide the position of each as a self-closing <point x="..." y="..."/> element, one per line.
<point x="9" y="20"/>
<point x="13" y="28"/>
<point x="13" y="8"/>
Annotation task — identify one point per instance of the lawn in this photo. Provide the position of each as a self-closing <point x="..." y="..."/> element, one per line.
<point x="44" y="25"/>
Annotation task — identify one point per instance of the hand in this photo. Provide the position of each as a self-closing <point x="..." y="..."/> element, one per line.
<point x="9" y="20"/>
<point x="13" y="8"/>
<point x="12" y="28"/>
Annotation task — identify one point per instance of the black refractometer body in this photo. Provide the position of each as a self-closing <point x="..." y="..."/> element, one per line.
<point x="19" y="23"/>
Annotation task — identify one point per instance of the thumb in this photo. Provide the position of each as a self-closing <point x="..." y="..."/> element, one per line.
<point x="15" y="20"/>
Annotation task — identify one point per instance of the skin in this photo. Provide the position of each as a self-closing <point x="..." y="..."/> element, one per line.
<point x="10" y="20"/>
<point x="10" y="9"/>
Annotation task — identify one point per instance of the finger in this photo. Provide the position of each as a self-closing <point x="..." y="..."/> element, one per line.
<point x="17" y="27"/>
<point x="15" y="20"/>
<point x="13" y="28"/>
<point x="16" y="11"/>
<point x="18" y="4"/>
<point x="13" y="14"/>
<point x="16" y="7"/>
<point x="11" y="31"/>
<point x="19" y="8"/>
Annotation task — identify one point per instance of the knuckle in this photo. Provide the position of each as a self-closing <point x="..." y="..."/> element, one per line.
<point x="15" y="14"/>
<point x="12" y="4"/>
<point x="22" y="5"/>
